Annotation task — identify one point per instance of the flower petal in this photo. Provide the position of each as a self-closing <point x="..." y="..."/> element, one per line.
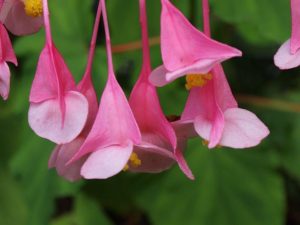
<point x="284" y="59"/>
<point x="242" y="129"/>
<point x="4" y="80"/>
<point x="183" y="164"/>
<point x="182" y="44"/>
<point x="16" y="20"/>
<point x="46" y="119"/>
<point x="7" y="52"/>
<point x="62" y="154"/>
<point x="106" y="162"/>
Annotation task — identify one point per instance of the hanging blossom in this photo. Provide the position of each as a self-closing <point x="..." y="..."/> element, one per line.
<point x="186" y="50"/>
<point x="6" y="55"/>
<point x="288" y="55"/>
<point x="63" y="153"/>
<point x="58" y="111"/>
<point x="159" y="142"/>
<point x="114" y="133"/>
<point x="22" y="17"/>
<point x="214" y="112"/>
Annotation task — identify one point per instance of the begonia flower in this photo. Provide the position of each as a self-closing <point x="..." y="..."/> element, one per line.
<point x="288" y="55"/>
<point x="22" y="17"/>
<point x="6" y="55"/>
<point x="156" y="152"/>
<point x="115" y="131"/>
<point x="63" y="153"/>
<point x="186" y="50"/>
<point x="214" y="112"/>
<point x="58" y="111"/>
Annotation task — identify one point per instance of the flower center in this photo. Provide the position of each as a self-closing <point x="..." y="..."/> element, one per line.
<point x="197" y="80"/>
<point x="33" y="8"/>
<point x="133" y="161"/>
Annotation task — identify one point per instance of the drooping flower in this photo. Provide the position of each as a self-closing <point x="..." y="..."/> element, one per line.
<point x="63" y="153"/>
<point x="186" y="50"/>
<point x="58" y="111"/>
<point x="22" y="17"/>
<point x="115" y="131"/>
<point x="213" y="111"/>
<point x="6" y="55"/>
<point x="288" y="55"/>
<point x="156" y="152"/>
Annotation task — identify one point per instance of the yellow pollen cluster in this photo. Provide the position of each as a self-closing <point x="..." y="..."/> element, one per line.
<point x="205" y="143"/>
<point x="133" y="161"/>
<point x="197" y="80"/>
<point x="33" y="8"/>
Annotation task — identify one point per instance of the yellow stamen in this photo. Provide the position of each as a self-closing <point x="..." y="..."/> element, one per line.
<point x="33" y="8"/>
<point x="206" y="142"/>
<point x="133" y="161"/>
<point x="197" y="80"/>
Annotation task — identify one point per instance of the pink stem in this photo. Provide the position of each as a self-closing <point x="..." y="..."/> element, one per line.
<point x="47" y="23"/>
<point x="206" y="20"/>
<point x="145" y="40"/>
<point x="93" y="43"/>
<point x="108" y="43"/>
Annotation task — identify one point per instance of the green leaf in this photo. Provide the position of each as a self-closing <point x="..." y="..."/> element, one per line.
<point x="86" y="212"/>
<point x="231" y="188"/>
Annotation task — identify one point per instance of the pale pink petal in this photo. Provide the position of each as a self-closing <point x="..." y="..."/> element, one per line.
<point x="6" y="52"/>
<point x="183" y="45"/>
<point x="62" y="154"/>
<point x="161" y="76"/>
<point x="284" y="59"/>
<point x="106" y="162"/>
<point x="4" y="80"/>
<point x="242" y="129"/>
<point x="46" y="119"/>
<point x="210" y="130"/>
<point x="16" y="20"/>
<point x="295" y="37"/>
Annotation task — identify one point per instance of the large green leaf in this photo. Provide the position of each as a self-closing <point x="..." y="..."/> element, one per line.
<point x="231" y="188"/>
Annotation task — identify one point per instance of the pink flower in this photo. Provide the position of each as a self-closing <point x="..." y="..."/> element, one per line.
<point x="57" y="112"/>
<point x="63" y="153"/>
<point x="6" y="55"/>
<point x="22" y="17"/>
<point x="185" y="49"/>
<point x="115" y="131"/>
<point x="216" y="117"/>
<point x="288" y="55"/>
<point x="156" y="151"/>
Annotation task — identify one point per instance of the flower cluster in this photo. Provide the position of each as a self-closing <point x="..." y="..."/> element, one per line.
<point x="99" y="140"/>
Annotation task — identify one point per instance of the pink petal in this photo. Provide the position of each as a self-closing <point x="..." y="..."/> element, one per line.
<point x="161" y="76"/>
<point x="7" y="52"/>
<point x="114" y="124"/>
<point x="182" y="44"/>
<point x="154" y="159"/>
<point x="284" y="59"/>
<point x="53" y="157"/>
<point x="183" y="164"/>
<point x="106" y="162"/>
<point x="4" y="80"/>
<point x="46" y="120"/>
<point x="295" y="37"/>
<point x="146" y="108"/>
<point x="210" y="130"/>
<point x="52" y="77"/>
<point x="242" y="129"/>
<point x="62" y="154"/>
<point x="184" y="129"/>
<point x="16" y="20"/>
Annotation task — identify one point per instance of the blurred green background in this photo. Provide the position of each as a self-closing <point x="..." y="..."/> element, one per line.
<point x="260" y="186"/>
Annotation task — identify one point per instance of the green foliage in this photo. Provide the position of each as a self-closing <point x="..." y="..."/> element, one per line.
<point x="231" y="187"/>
